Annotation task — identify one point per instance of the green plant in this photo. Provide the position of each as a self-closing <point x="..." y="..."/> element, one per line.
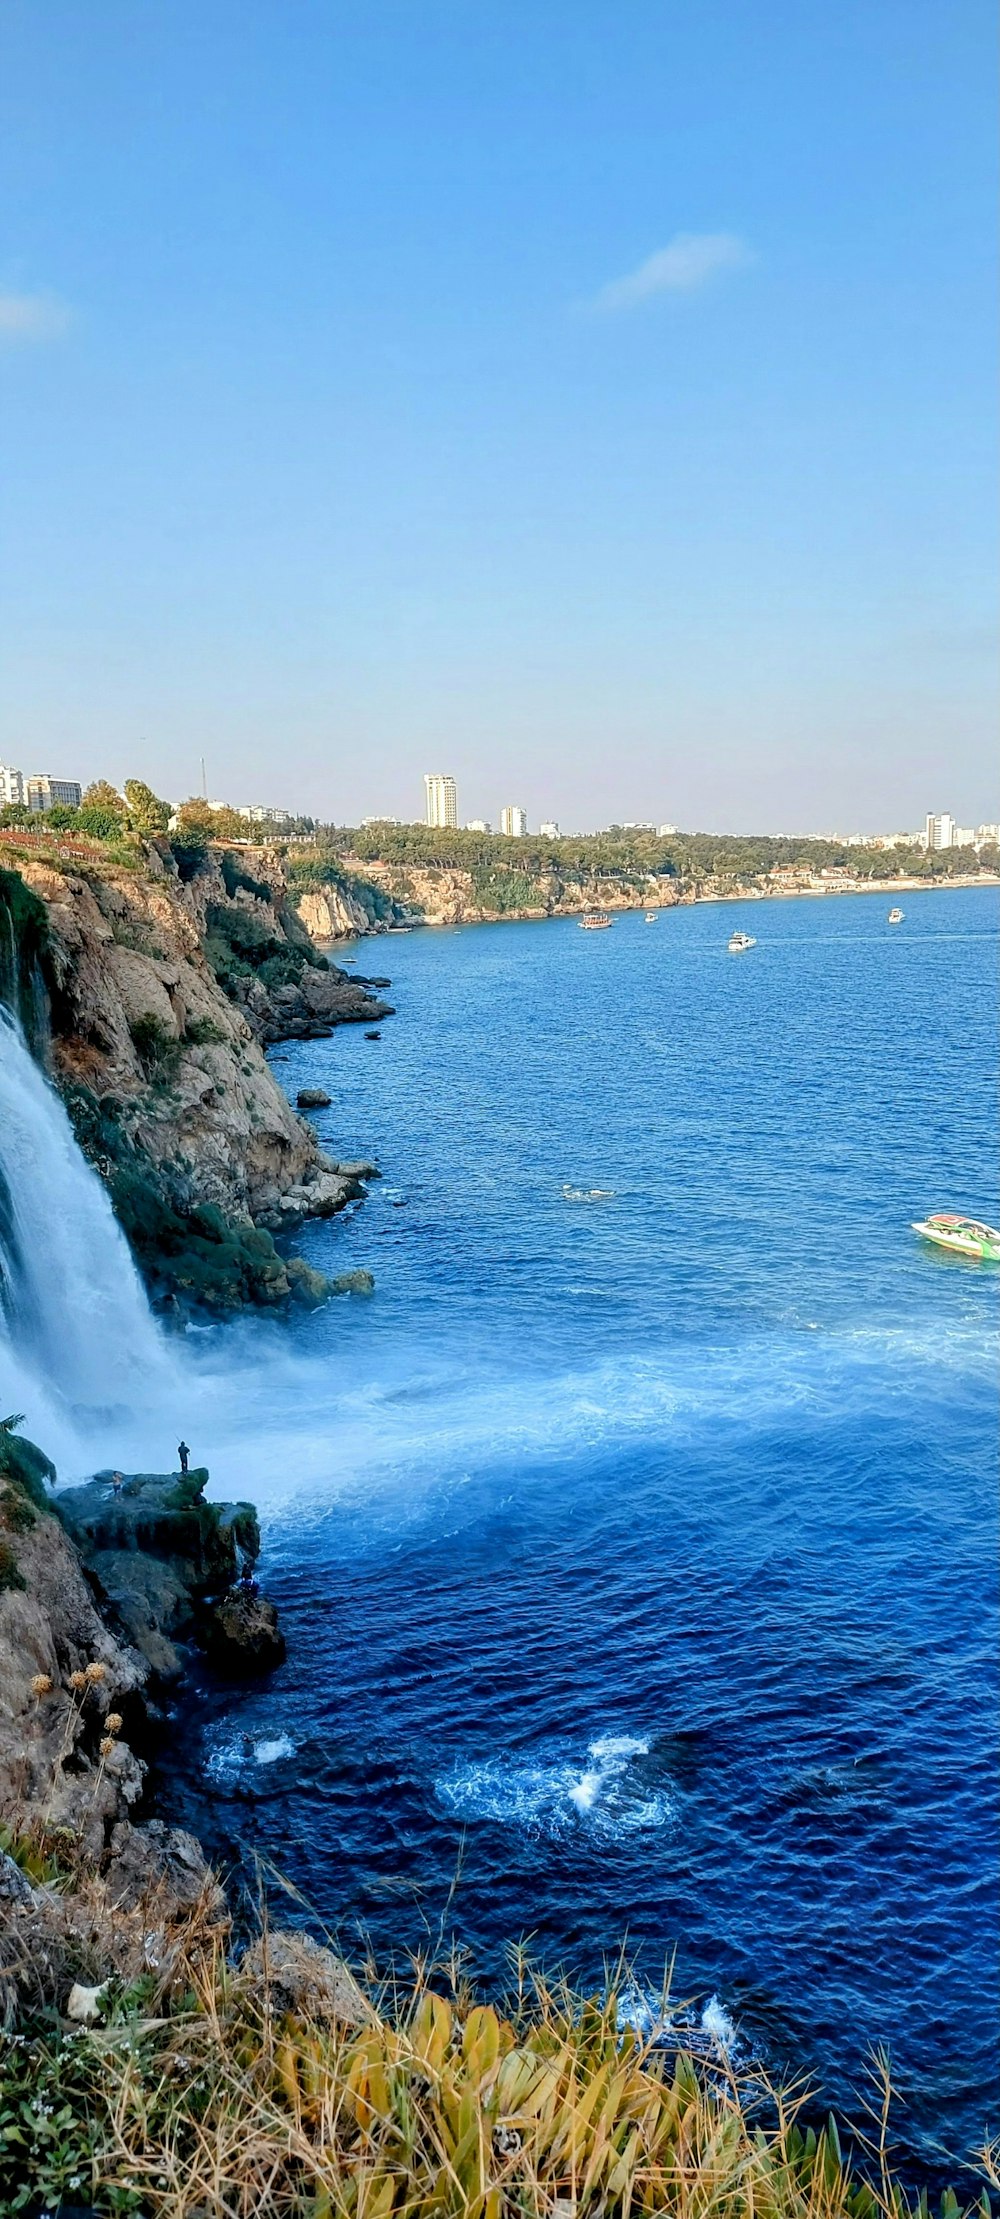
<point x="201" y="2095"/>
<point x="203" y="1032"/>
<point x="156" y="1047"/>
<point x="10" y="1576"/>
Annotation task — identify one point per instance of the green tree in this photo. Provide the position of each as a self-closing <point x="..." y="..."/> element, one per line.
<point x="102" y="811"/>
<point x="148" y="815"/>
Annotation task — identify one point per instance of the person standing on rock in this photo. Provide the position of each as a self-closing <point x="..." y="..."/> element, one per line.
<point x="183" y="1452"/>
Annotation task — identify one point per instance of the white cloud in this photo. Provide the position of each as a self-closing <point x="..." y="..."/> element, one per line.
<point x="30" y="316"/>
<point x="690" y="260"/>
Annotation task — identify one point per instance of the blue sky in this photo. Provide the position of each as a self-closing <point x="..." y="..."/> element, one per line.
<point x="594" y="400"/>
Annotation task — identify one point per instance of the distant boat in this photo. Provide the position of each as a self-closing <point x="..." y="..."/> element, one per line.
<point x="895" y="916"/>
<point x="740" y="941"/>
<point x="596" y="920"/>
<point x="650" y="916"/>
<point x="967" y="1236"/>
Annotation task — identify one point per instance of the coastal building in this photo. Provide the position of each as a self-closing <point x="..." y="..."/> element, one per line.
<point x="367" y="822"/>
<point x="257" y="814"/>
<point x="513" y="822"/>
<point x="11" y="787"/>
<point x="441" y="799"/>
<point x="988" y="835"/>
<point x="477" y="824"/>
<point x="939" y="832"/>
<point x="963" y="836"/>
<point x="549" y="830"/>
<point x="665" y="830"/>
<point x="44" y="793"/>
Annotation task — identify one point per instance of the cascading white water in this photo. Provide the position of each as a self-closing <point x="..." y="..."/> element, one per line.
<point x="77" y="1339"/>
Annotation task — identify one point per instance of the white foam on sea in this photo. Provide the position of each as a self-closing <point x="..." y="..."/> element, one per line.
<point x="607" y="1795"/>
<point x="711" y="2033"/>
<point x="233" y="1757"/>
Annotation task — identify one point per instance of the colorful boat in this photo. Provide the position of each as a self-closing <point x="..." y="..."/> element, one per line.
<point x="967" y="1236"/>
<point x="596" y="920"/>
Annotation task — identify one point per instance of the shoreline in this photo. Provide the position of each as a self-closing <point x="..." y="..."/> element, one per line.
<point x="879" y="886"/>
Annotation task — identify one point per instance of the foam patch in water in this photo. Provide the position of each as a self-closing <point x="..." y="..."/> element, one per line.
<point x="609" y="1795"/>
<point x="235" y="1757"/>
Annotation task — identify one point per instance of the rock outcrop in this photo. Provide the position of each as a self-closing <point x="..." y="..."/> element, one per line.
<point x="92" y="1888"/>
<point x="159" y="1555"/>
<point x="165" y="986"/>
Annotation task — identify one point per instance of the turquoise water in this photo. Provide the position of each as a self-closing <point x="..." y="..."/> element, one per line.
<point x="638" y="1555"/>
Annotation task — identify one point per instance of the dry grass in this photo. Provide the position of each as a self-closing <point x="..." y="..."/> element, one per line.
<point x="211" y="2102"/>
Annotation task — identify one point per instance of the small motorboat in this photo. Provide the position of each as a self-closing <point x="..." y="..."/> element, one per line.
<point x="650" y="916"/>
<point x="895" y="916"/>
<point x="740" y="941"/>
<point x="966" y="1236"/>
<point x="596" y="920"/>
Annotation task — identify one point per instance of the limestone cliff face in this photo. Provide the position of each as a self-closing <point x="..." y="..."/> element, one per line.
<point x="164" y="991"/>
<point x="440" y="896"/>
<point x="139" y="1016"/>
<point x="331" y="913"/>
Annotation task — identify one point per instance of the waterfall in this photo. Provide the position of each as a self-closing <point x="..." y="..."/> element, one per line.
<point x="77" y="1340"/>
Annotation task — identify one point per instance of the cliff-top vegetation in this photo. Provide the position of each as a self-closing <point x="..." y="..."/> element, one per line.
<point x="278" y="2087"/>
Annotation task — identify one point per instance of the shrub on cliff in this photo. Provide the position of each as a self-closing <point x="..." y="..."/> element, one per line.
<point x="285" y="2090"/>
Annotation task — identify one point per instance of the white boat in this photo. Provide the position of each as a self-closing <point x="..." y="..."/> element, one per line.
<point x="740" y="941"/>
<point x="650" y="916"/>
<point x="967" y="1236"/>
<point x="895" y="916"/>
<point x="596" y="920"/>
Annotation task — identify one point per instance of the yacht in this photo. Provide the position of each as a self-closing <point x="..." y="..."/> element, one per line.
<point x="968" y="1236"/>
<point x="596" y="920"/>
<point x="895" y="916"/>
<point x="740" y="941"/>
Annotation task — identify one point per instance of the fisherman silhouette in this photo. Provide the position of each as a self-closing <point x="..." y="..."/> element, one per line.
<point x="183" y="1452"/>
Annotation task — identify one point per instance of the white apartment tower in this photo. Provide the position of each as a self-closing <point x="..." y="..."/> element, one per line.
<point x="939" y="832"/>
<point x="11" y="787"/>
<point x="441" y="799"/>
<point x="513" y="822"/>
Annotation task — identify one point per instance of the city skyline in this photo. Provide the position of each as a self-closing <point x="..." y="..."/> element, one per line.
<point x="612" y="427"/>
<point x="940" y="832"/>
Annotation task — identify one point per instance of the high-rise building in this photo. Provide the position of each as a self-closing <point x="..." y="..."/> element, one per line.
<point x="988" y="835"/>
<point x="513" y="822"/>
<point x="441" y="799"/>
<point x="549" y="831"/>
<point x="44" y="793"/>
<point x="939" y="832"/>
<point x="11" y="787"/>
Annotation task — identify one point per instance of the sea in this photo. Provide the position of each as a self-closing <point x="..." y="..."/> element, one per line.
<point x="636" y="1540"/>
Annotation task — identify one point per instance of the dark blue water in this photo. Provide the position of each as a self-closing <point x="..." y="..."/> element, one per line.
<point x="638" y="1555"/>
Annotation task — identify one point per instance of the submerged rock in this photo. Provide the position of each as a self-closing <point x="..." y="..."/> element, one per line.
<point x="353" y="1282"/>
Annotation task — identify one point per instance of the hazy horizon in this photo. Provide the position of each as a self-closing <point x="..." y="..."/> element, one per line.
<point x="602" y="412"/>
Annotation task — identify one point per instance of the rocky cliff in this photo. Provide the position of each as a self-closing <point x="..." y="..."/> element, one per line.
<point x="166" y="981"/>
<point x="89" y="1889"/>
<point x="437" y="895"/>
